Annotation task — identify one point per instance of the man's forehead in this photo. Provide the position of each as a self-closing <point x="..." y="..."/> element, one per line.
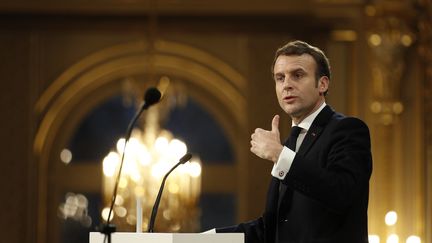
<point x="293" y="62"/>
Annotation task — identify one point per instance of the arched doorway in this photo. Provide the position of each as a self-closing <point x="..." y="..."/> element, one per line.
<point x="89" y="83"/>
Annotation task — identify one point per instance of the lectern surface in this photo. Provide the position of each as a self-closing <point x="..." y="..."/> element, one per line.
<point x="126" y="237"/>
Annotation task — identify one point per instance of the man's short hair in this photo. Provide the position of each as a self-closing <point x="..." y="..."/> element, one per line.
<point x="298" y="48"/>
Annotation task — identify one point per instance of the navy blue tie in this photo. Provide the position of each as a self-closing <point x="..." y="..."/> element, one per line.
<point x="292" y="140"/>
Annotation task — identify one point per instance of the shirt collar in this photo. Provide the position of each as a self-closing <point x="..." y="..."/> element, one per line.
<point x="307" y="122"/>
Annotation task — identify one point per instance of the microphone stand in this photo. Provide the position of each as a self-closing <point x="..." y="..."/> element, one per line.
<point x="152" y="96"/>
<point x="183" y="160"/>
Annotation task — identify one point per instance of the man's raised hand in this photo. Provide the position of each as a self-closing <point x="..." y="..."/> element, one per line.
<point x="266" y="144"/>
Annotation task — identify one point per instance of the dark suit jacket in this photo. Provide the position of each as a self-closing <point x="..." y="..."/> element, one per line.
<point x="328" y="188"/>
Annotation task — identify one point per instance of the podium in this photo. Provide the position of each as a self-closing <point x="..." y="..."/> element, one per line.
<point x="128" y="237"/>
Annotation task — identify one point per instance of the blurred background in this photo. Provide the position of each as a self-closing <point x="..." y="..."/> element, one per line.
<point x="74" y="72"/>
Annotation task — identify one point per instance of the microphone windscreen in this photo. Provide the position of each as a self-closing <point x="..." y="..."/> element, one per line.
<point x="152" y="96"/>
<point x="185" y="158"/>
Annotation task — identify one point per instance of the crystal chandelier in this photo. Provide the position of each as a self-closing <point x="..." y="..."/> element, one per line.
<point x="149" y="155"/>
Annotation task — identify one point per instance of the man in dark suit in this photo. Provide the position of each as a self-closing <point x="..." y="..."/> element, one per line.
<point x="320" y="179"/>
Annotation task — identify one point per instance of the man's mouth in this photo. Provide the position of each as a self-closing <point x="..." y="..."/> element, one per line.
<point x="289" y="99"/>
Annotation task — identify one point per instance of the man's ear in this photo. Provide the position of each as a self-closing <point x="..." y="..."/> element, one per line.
<point x="323" y="84"/>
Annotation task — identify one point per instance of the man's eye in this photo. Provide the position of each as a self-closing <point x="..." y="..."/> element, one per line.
<point x="298" y="75"/>
<point x="279" y="78"/>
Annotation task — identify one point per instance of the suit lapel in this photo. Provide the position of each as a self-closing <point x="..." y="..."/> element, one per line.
<point x="315" y="130"/>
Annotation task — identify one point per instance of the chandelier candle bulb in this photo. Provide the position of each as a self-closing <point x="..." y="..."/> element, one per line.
<point x="374" y="239"/>
<point x="139" y="215"/>
<point x="413" y="239"/>
<point x="393" y="238"/>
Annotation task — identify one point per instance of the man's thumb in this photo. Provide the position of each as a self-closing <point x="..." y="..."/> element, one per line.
<point x="275" y="123"/>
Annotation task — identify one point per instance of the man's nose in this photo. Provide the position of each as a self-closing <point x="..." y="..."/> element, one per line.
<point x="287" y="84"/>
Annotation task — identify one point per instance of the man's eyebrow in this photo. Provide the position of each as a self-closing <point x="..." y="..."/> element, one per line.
<point x="297" y="70"/>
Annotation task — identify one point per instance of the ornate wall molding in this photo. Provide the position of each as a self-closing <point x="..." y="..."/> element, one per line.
<point x="389" y="38"/>
<point x="399" y="180"/>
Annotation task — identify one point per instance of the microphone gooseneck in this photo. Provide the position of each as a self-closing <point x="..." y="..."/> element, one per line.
<point x="182" y="160"/>
<point x="152" y="96"/>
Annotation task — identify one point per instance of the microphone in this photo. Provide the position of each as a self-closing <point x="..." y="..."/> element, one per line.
<point x="151" y="97"/>
<point x="182" y="160"/>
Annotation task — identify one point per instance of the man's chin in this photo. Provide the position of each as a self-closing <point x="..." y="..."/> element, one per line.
<point x="291" y="110"/>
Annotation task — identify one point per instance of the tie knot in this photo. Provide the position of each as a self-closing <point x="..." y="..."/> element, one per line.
<point x="295" y="131"/>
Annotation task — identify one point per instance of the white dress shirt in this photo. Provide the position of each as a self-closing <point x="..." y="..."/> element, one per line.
<point x="286" y="157"/>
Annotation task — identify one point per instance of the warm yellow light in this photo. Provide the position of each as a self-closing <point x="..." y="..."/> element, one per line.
<point x="144" y="156"/>
<point x="375" y="39"/>
<point x="70" y="206"/>
<point x="397" y="107"/>
<point x="159" y="170"/>
<point x="406" y="40"/>
<point x="105" y="213"/>
<point x="374" y="239"/>
<point x="344" y="35"/>
<point x="110" y="163"/>
<point x="66" y="156"/>
<point x="119" y="200"/>
<point x="128" y="166"/>
<point x="139" y="191"/>
<point x="147" y="159"/>
<point x="370" y="10"/>
<point x="81" y="201"/>
<point x="173" y="188"/>
<point x="120" y="211"/>
<point x="161" y="144"/>
<point x="123" y="182"/>
<point x="133" y="147"/>
<point x="75" y="207"/>
<point x="376" y="107"/>
<point x="177" y="148"/>
<point x="132" y="150"/>
<point x="131" y="219"/>
<point x="135" y="176"/>
<point x="120" y="145"/>
<point x="194" y="169"/>
<point x="393" y="238"/>
<point x="413" y="239"/>
<point x="131" y="169"/>
<point x="391" y="218"/>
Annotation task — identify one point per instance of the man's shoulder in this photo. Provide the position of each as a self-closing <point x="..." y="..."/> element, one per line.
<point x="342" y="121"/>
<point x="328" y="116"/>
